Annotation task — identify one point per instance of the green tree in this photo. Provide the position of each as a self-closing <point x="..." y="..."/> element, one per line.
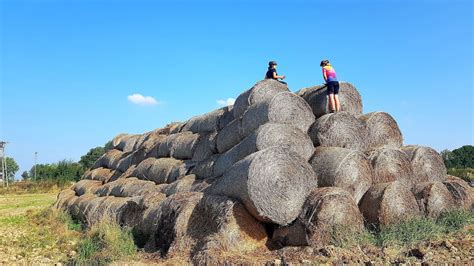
<point x="88" y="160"/>
<point x="25" y="175"/>
<point x="460" y="158"/>
<point x="12" y="168"/>
<point x="61" y="171"/>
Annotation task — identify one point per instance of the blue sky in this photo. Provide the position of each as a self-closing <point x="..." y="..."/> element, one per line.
<point x="68" y="67"/>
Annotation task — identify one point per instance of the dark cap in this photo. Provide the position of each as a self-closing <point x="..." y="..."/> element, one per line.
<point x="272" y="63"/>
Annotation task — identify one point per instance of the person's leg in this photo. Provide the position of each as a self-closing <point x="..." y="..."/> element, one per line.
<point x="336" y="96"/>
<point x="337" y="102"/>
<point x="332" y="104"/>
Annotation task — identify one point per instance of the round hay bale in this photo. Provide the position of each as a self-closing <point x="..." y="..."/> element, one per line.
<point x="184" y="145"/>
<point x="179" y="145"/>
<point x="433" y="198"/>
<point x="160" y="171"/>
<point x="140" y="140"/>
<point x="86" y="186"/>
<point x="462" y="193"/>
<point x="325" y="210"/>
<point x="100" y="174"/>
<point x="200" y="185"/>
<point x="427" y="164"/>
<point x="343" y="168"/>
<point x="230" y="228"/>
<point x="391" y="164"/>
<point x="341" y="129"/>
<point x="151" y="146"/>
<point x="205" y="169"/>
<point x="209" y="122"/>
<point x="121" y="210"/>
<point x="79" y="206"/>
<point x="287" y="137"/>
<point x="176" y="127"/>
<point x="229" y="136"/>
<point x="262" y="91"/>
<point x="206" y="147"/>
<point x="317" y="98"/>
<point x="202" y="222"/>
<point x="110" y="159"/>
<point x="389" y="203"/>
<point x="283" y="108"/>
<point x="125" y="162"/>
<point x="382" y="130"/>
<point x="184" y="184"/>
<point x="130" y="142"/>
<point x="272" y="184"/>
<point x="130" y="187"/>
<point x="118" y="142"/>
<point x="64" y="199"/>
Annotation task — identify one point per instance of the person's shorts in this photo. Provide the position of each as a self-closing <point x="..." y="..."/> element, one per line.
<point x="333" y="87"/>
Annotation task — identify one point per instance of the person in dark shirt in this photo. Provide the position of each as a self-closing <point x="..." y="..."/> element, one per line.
<point x="272" y="73"/>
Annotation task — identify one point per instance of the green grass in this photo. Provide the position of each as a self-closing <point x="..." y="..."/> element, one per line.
<point x="406" y="233"/>
<point x="106" y="242"/>
<point x="14" y="220"/>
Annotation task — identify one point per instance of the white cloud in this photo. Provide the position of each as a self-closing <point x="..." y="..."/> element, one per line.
<point x="229" y="101"/>
<point x="142" y="100"/>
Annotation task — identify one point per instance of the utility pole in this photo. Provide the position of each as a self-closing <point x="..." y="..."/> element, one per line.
<point x="4" y="163"/>
<point x="36" y="156"/>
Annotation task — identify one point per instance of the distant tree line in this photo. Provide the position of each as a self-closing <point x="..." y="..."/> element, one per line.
<point x="460" y="162"/>
<point x="66" y="170"/>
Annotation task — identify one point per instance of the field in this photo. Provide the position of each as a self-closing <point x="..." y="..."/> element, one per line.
<point x="33" y="234"/>
<point x="23" y="241"/>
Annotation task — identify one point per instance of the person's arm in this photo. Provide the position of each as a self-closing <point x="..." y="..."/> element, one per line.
<point x="277" y="77"/>
<point x="325" y="76"/>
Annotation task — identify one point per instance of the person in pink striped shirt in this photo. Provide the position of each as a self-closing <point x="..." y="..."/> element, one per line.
<point x="332" y="84"/>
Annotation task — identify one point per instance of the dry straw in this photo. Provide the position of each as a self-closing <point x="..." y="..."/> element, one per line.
<point x="229" y="136"/>
<point x="341" y="129"/>
<point x="272" y="184"/>
<point x="391" y="164"/>
<point x="389" y="203"/>
<point x="317" y="98"/>
<point x="427" y="164"/>
<point x="283" y="108"/>
<point x="190" y="221"/>
<point x="209" y="122"/>
<point x="433" y="198"/>
<point x="100" y="174"/>
<point x="462" y="193"/>
<point x="86" y="186"/>
<point x="343" y="168"/>
<point x="285" y="136"/>
<point x="110" y="159"/>
<point x="382" y="130"/>
<point x="262" y="91"/>
<point x="324" y="210"/>
<point x="160" y="171"/>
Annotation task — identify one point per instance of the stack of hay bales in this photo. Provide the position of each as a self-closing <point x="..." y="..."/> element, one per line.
<point x="276" y="166"/>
